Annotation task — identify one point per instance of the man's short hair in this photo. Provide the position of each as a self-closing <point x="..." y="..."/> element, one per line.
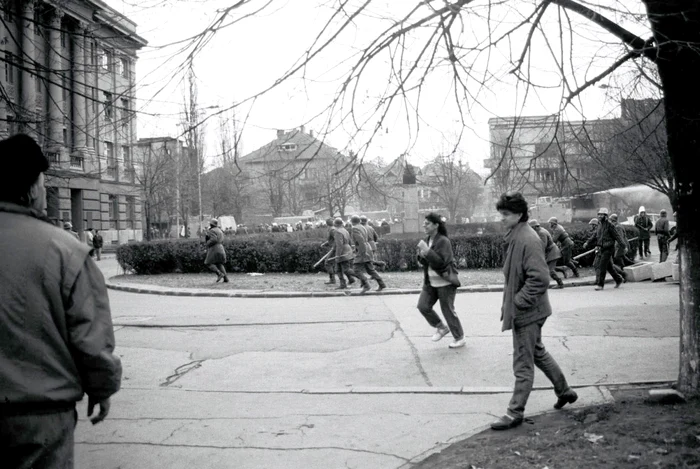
<point x="22" y="161"/>
<point x="513" y="202"/>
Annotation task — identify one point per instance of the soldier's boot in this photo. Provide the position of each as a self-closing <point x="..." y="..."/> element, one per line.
<point x="331" y="280"/>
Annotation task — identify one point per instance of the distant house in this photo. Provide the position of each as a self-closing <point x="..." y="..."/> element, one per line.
<point x="296" y="172"/>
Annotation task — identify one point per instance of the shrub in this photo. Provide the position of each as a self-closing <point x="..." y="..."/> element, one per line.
<point x="284" y="254"/>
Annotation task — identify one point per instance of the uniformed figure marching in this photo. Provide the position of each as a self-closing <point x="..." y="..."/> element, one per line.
<point x="604" y="239"/>
<point x="329" y="264"/>
<point x="551" y="251"/>
<point x="363" y="254"/>
<point x="566" y="246"/>
<point x="344" y="256"/>
<point x="620" y="249"/>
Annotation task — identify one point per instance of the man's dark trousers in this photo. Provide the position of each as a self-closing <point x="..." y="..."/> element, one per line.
<point x="603" y="263"/>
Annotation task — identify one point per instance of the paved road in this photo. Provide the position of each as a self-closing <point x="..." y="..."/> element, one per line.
<point x="347" y="382"/>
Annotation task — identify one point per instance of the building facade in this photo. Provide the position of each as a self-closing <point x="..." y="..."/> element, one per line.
<point x="68" y="81"/>
<point x="545" y="155"/>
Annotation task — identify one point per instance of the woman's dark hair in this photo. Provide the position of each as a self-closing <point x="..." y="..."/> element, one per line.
<point x="439" y="220"/>
<point x="514" y="202"/>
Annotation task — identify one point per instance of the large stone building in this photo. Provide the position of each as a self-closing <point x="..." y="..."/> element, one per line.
<point x="69" y="82"/>
<point x="545" y="155"/>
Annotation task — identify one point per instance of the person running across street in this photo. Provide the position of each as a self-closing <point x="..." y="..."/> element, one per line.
<point x="604" y="240"/>
<point x="551" y="251"/>
<point x="525" y="309"/>
<point x="566" y="246"/>
<point x="440" y="280"/>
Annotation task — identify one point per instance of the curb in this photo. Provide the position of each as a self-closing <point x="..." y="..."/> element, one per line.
<point x="166" y="291"/>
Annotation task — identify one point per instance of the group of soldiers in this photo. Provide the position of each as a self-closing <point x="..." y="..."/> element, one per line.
<point x="557" y="245"/>
<point x="352" y="254"/>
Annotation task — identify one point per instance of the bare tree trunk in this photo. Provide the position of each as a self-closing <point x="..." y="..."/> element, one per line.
<point x="675" y="27"/>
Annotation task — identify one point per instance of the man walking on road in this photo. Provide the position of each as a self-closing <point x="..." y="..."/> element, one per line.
<point x="55" y="322"/>
<point x="604" y="238"/>
<point x="551" y="251"/>
<point x="525" y="309"/>
<point x="663" y="234"/>
<point x="620" y="249"/>
<point x="344" y="256"/>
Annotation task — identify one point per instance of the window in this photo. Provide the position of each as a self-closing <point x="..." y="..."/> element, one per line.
<point x="9" y="68"/>
<point x="105" y="59"/>
<point x="128" y="164"/>
<point x="111" y="160"/>
<point x="287" y="147"/>
<point x="130" y="211"/>
<point x="113" y="211"/>
<point x="108" y="105"/>
<point x="123" y="67"/>
<point x="124" y="119"/>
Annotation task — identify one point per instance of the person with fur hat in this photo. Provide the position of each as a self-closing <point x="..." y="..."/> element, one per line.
<point x="566" y="246"/>
<point x="663" y="233"/>
<point x="644" y="225"/>
<point x="216" y="254"/>
<point x="552" y="254"/>
<point x="55" y="321"/>
<point x="604" y="239"/>
<point x="525" y="310"/>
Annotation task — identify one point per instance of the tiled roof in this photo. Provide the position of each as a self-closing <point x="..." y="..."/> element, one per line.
<point x="307" y="147"/>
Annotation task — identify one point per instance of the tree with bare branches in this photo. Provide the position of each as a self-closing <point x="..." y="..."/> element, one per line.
<point x="453" y="185"/>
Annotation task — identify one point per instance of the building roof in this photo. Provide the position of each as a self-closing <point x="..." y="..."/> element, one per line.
<point x="292" y="145"/>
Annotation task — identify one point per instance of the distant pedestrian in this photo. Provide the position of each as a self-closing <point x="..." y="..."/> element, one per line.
<point x="363" y="254"/>
<point x="663" y="234"/>
<point x="604" y="239"/>
<point x="216" y="254"/>
<point x="344" y="256"/>
<point x="56" y="334"/>
<point x="440" y="280"/>
<point x="525" y="309"/>
<point x="89" y="240"/>
<point x="97" y="243"/>
<point x="566" y="246"/>
<point x="551" y="251"/>
<point x="644" y="225"/>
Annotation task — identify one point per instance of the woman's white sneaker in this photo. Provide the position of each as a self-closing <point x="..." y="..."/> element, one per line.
<point x="440" y="333"/>
<point x="459" y="343"/>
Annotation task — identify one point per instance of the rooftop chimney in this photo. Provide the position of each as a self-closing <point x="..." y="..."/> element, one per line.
<point x="311" y="132"/>
<point x="280" y="133"/>
<point x="301" y="129"/>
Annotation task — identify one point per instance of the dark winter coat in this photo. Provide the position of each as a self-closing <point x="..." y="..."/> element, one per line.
<point x="441" y="259"/>
<point x="216" y="254"/>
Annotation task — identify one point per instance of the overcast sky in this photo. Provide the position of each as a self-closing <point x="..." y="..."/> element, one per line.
<point x="244" y="59"/>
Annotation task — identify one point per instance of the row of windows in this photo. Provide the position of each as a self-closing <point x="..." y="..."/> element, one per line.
<point x="114" y="210"/>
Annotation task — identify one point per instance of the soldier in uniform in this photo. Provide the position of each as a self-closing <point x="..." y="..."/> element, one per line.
<point x="620" y="249"/>
<point x="663" y="233"/>
<point x="373" y="239"/>
<point x="644" y="225"/>
<point x="344" y="256"/>
<point x="604" y="239"/>
<point x="329" y="264"/>
<point x="551" y="251"/>
<point x="363" y="254"/>
<point x="566" y="246"/>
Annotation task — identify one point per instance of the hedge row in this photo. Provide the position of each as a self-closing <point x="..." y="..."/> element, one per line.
<point x="288" y="255"/>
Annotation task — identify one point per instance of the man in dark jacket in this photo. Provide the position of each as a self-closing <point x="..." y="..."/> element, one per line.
<point x="663" y="234"/>
<point x="604" y="240"/>
<point x="620" y="249"/>
<point x="644" y="225"/>
<point x="55" y="322"/>
<point x="97" y="243"/>
<point x="329" y="264"/>
<point x="525" y="309"/>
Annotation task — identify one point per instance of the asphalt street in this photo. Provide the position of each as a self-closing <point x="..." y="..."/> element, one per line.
<point x="348" y="382"/>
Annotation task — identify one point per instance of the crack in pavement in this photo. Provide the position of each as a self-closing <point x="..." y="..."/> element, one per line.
<point x="563" y="341"/>
<point x="263" y="448"/>
<point x="173" y="432"/>
<point x="181" y="371"/>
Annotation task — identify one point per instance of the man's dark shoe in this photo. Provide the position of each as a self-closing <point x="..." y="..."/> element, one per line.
<point x="617" y="284"/>
<point x="576" y="274"/>
<point x="225" y="279"/>
<point x="330" y="282"/>
<point x="351" y="281"/>
<point x="598" y="288"/>
<point x="506" y="422"/>
<point x="569" y="397"/>
<point x="365" y="289"/>
<point x="219" y="277"/>
<point x="381" y="287"/>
